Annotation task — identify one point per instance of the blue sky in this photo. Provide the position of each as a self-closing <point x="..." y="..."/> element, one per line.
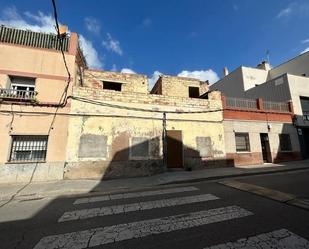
<point x="191" y="38"/>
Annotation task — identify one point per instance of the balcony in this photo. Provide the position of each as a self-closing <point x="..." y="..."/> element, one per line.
<point x="256" y="104"/>
<point x="19" y="95"/>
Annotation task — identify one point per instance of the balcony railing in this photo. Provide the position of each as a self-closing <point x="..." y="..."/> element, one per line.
<point x="241" y="103"/>
<point x="276" y="106"/>
<point x="256" y="104"/>
<point x="32" y="39"/>
<point x="17" y="94"/>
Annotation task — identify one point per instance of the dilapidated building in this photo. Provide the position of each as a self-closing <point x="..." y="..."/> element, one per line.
<point x="118" y="128"/>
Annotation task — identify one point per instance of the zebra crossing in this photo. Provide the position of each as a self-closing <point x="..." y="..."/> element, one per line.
<point x="102" y="235"/>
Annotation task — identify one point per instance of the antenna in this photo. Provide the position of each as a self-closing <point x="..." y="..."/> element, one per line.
<point x="267" y="55"/>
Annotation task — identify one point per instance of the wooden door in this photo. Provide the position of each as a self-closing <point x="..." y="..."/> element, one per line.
<point x="174" y="149"/>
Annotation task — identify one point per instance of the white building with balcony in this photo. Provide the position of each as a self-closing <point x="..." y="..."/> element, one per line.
<point x="287" y="82"/>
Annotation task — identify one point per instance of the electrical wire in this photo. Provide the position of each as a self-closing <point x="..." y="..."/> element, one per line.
<point x="64" y="96"/>
<point x="94" y="102"/>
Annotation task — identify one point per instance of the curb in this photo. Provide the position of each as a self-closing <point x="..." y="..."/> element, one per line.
<point x="92" y="193"/>
<point x="234" y="175"/>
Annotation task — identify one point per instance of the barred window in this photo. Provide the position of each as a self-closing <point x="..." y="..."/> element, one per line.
<point x="285" y="142"/>
<point x="242" y="142"/>
<point x="28" y="148"/>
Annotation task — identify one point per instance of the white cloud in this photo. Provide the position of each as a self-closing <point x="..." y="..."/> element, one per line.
<point x="152" y="81"/>
<point x="37" y="22"/>
<point x="304" y="51"/>
<point x="90" y="53"/>
<point x="112" y="44"/>
<point x="284" y="12"/>
<point x="202" y="75"/>
<point x="297" y="9"/>
<point x="305" y="41"/>
<point x="40" y="22"/>
<point x="92" y="25"/>
<point x="127" y="70"/>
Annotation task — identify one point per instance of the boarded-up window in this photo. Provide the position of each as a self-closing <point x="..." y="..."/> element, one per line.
<point x="92" y="146"/>
<point x="139" y="147"/>
<point x="204" y="146"/>
<point x="242" y="142"/>
<point x="285" y="142"/>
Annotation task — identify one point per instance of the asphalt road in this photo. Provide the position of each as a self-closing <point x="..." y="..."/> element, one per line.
<point x="198" y="215"/>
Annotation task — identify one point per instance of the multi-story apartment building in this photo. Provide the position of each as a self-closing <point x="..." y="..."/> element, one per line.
<point x="33" y="110"/>
<point x="118" y="128"/>
<point x="286" y="82"/>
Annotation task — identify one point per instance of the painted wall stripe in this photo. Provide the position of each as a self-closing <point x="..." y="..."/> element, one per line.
<point x="282" y="238"/>
<point x="134" y="195"/>
<point x="138" y="206"/>
<point x="111" y="234"/>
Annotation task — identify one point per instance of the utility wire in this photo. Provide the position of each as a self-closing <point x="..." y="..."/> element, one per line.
<point x="94" y="102"/>
<point x="63" y="98"/>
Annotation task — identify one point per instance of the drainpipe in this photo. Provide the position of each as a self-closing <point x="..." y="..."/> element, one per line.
<point x="164" y="140"/>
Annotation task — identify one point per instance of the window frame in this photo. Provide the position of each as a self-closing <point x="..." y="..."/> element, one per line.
<point x="247" y="140"/>
<point x="14" y="85"/>
<point x="194" y="88"/>
<point x="289" y="143"/>
<point x="44" y="139"/>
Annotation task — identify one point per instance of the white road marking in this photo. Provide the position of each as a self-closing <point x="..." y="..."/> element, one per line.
<point x="139" y="206"/>
<point x="134" y="195"/>
<point x="280" y="239"/>
<point x="105" y="235"/>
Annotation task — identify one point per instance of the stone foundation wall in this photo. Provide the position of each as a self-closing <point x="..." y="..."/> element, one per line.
<point x="111" y="170"/>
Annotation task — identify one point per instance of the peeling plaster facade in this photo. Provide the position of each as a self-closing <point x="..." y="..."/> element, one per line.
<point x="124" y="129"/>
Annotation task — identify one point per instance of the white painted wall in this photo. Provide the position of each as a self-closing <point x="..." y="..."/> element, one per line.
<point x="254" y="128"/>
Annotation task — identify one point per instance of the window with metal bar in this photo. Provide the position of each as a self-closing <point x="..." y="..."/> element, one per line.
<point x="28" y="148"/>
<point x="242" y="142"/>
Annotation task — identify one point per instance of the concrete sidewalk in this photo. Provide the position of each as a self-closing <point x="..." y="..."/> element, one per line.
<point x="67" y="187"/>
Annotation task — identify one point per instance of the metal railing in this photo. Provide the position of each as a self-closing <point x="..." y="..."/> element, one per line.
<point x="17" y="94"/>
<point x="241" y="103"/>
<point x="32" y="39"/>
<point x="276" y="106"/>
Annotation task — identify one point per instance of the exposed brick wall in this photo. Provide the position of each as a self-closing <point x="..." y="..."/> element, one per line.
<point x="257" y="115"/>
<point x="133" y="83"/>
<point x="131" y="97"/>
<point x="250" y="158"/>
<point x="179" y="86"/>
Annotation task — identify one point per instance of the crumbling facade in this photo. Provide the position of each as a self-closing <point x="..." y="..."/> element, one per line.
<point x="119" y="129"/>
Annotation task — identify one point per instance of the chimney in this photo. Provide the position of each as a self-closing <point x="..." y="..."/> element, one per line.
<point x="225" y="71"/>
